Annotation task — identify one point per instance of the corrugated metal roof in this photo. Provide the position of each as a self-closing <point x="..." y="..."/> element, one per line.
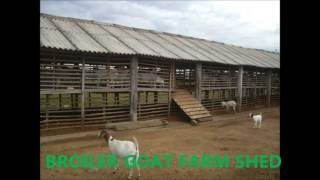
<point x="89" y="36"/>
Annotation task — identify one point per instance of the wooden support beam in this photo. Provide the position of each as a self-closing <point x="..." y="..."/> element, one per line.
<point x="83" y="93"/>
<point x="155" y="100"/>
<point x="60" y="101"/>
<point x="106" y="99"/>
<point x="89" y="99"/>
<point x="47" y="110"/>
<point x="269" y="88"/>
<point x="206" y="94"/>
<point x="72" y="101"/>
<point x="147" y="97"/>
<point x="116" y="98"/>
<point x="240" y="79"/>
<point x="170" y="87"/>
<point x="198" y="80"/>
<point x="104" y="106"/>
<point x="134" y="92"/>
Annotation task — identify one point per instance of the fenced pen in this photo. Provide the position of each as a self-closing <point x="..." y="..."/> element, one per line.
<point x="95" y="73"/>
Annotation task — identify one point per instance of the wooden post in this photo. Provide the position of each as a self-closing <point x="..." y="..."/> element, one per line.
<point x="72" y="101"/>
<point x="155" y="97"/>
<point x="198" y="81"/>
<point x="47" y="110"/>
<point x="106" y="99"/>
<point x="147" y="97"/>
<point x="116" y="98"/>
<point x="173" y="86"/>
<point x="170" y="88"/>
<point x="77" y="101"/>
<point x="206" y="94"/>
<point x="60" y="101"/>
<point x="104" y="105"/>
<point x="89" y="99"/>
<point x="82" y="93"/>
<point x="240" y="78"/>
<point x="269" y="88"/>
<point x="134" y="89"/>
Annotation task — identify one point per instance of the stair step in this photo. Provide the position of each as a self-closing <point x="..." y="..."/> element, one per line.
<point x="200" y="116"/>
<point x="194" y="109"/>
<point x="197" y="113"/>
<point x="185" y="100"/>
<point x="191" y="106"/>
<point x="183" y="95"/>
<point x="186" y="103"/>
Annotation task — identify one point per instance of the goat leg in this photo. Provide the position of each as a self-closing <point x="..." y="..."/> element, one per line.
<point x="115" y="170"/>
<point x="130" y="173"/>
<point x="260" y="124"/>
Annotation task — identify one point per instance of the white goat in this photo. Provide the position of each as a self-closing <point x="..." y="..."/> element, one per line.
<point x="229" y="104"/>
<point x="122" y="149"/>
<point x="257" y="118"/>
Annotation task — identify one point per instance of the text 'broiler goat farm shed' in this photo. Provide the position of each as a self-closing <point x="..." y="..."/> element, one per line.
<point x="94" y="73"/>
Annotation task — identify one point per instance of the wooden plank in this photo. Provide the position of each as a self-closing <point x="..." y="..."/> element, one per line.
<point x="269" y="84"/>
<point x="183" y="96"/>
<point x="191" y="114"/>
<point x="134" y="91"/>
<point x="193" y="109"/>
<point x="198" y="80"/>
<point x="170" y="88"/>
<point x="190" y="106"/>
<point x="200" y="116"/>
<point x="240" y="81"/>
<point x="83" y="93"/>
<point x="184" y="99"/>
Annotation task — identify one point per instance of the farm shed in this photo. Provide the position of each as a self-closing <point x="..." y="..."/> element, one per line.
<point x="93" y="73"/>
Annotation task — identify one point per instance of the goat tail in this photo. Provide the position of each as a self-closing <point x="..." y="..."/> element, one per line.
<point x="137" y="148"/>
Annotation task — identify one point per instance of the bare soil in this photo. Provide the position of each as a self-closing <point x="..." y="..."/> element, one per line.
<point x="238" y="137"/>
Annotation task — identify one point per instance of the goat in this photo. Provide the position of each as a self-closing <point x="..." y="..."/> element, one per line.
<point x="228" y="104"/>
<point x="122" y="148"/>
<point x="256" y="118"/>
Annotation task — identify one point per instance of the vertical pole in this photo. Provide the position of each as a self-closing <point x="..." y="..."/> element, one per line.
<point x="82" y="93"/>
<point x="173" y="86"/>
<point x="170" y="88"/>
<point x="47" y="110"/>
<point x="207" y="94"/>
<point x="104" y="105"/>
<point x="198" y="81"/>
<point x="155" y="97"/>
<point x="269" y="88"/>
<point x="106" y="99"/>
<point x="60" y="101"/>
<point x="116" y="97"/>
<point x="255" y="91"/>
<point x="134" y="92"/>
<point x="77" y="101"/>
<point x="72" y="101"/>
<point x="240" y="79"/>
<point x="147" y="97"/>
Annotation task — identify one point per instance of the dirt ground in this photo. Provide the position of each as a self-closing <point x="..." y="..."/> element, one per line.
<point x="207" y="138"/>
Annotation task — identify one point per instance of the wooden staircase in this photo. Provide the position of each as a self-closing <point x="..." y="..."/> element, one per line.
<point x="191" y="106"/>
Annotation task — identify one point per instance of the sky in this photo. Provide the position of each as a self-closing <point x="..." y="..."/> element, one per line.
<point x="252" y="24"/>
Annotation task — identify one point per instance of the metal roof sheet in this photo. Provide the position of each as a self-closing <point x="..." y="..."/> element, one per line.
<point x="106" y="39"/>
<point x="89" y="36"/>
